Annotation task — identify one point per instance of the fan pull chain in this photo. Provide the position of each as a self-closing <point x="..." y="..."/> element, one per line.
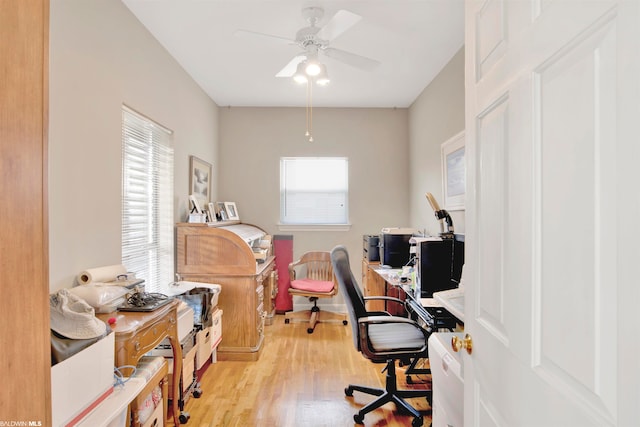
<point x="307" y="111"/>
<point x="310" y="112"/>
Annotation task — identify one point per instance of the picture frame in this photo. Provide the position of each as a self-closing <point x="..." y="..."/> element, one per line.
<point x="454" y="172"/>
<point x="200" y="180"/>
<point x="232" y="210"/>
<point x="212" y="213"/>
<point x="196" y="205"/>
<point x="222" y="211"/>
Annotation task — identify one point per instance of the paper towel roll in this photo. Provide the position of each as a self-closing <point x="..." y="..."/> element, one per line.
<point x="101" y="274"/>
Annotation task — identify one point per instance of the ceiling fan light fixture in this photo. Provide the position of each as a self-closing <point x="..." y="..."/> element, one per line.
<point x="322" y="79"/>
<point x="313" y="67"/>
<point x="300" y="76"/>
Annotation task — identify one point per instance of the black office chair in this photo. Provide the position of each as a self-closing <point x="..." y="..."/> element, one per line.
<point x="382" y="339"/>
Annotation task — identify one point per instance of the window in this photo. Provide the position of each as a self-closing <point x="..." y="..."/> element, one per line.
<point x="314" y="190"/>
<point x="147" y="200"/>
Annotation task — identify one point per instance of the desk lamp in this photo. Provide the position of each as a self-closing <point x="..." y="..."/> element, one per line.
<point x="446" y="223"/>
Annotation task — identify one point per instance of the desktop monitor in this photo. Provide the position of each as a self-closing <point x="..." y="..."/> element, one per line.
<point x="439" y="264"/>
<point x="394" y="249"/>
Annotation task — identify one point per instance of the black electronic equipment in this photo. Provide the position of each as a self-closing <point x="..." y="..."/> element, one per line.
<point x="394" y="247"/>
<point x="370" y="251"/>
<point x="439" y="264"/>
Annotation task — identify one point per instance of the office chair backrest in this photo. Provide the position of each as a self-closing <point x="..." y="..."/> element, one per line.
<point x="349" y="288"/>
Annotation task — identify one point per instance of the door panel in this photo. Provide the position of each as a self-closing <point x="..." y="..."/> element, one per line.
<point x="492" y="155"/>
<point x="575" y="177"/>
<point x="548" y="128"/>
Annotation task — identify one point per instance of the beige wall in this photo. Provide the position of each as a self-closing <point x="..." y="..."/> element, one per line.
<point x="434" y="117"/>
<point x="374" y="140"/>
<point x="100" y="58"/>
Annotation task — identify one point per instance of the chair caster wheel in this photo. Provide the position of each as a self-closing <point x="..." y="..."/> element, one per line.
<point x="286" y="321"/>
<point x="344" y="322"/>
<point x="348" y="391"/>
<point x="309" y="330"/>
<point x="359" y="419"/>
<point x="417" y="422"/>
<point x="184" y="417"/>
<point x="197" y="393"/>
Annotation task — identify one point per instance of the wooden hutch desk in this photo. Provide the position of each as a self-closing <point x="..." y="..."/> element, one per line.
<point x="137" y="333"/>
<point x="217" y="253"/>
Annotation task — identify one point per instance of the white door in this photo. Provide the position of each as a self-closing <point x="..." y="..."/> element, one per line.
<point x="553" y="196"/>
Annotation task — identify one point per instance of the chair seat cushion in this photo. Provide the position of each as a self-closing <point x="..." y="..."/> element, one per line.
<point x="310" y="285"/>
<point x="395" y="336"/>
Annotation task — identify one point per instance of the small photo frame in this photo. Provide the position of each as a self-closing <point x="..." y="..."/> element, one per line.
<point x="222" y="211"/>
<point x="453" y="172"/>
<point x="195" y="205"/>
<point x="212" y="213"/>
<point x="200" y="180"/>
<point x="232" y="211"/>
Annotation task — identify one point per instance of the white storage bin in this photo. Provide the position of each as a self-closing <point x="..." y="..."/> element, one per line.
<point x="448" y="381"/>
<point x="185" y="321"/>
<point x="80" y="382"/>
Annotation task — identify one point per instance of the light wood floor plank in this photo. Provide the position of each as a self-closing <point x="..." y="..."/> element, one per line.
<point x="298" y="381"/>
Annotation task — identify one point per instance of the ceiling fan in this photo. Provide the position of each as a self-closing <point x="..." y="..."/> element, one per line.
<point x="316" y="40"/>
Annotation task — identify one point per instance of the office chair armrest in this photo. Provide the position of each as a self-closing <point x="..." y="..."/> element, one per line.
<point x="382" y="297"/>
<point x="387" y="319"/>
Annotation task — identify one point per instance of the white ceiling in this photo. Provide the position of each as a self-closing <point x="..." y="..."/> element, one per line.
<point x="413" y="40"/>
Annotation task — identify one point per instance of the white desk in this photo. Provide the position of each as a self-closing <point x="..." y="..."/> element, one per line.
<point x="453" y="301"/>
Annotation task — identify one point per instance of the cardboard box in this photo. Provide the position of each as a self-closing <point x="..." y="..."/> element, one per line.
<point x="81" y="382"/>
<point x="188" y="369"/>
<point x="208" y="339"/>
<point x="155" y="420"/>
<point x="204" y="347"/>
<point x="216" y="328"/>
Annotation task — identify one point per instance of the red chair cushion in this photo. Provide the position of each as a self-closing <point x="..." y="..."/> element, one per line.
<point x="310" y="285"/>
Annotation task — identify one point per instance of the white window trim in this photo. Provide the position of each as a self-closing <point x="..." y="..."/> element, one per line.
<point x="314" y="227"/>
<point x="310" y="226"/>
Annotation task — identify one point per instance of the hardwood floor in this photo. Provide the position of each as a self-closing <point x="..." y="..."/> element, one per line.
<point x="298" y="381"/>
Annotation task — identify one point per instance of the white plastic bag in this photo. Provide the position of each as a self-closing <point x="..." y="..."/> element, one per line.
<point x="102" y="297"/>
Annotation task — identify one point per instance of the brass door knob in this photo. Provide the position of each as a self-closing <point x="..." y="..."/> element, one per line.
<point x="457" y="344"/>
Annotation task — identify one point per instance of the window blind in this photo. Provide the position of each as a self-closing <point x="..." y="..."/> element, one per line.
<point x="314" y="190"/>
<point x="147" y="200"/>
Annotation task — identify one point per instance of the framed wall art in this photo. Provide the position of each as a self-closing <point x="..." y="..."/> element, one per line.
<point x="200" y="180"/>
<point x="453" y="172"/>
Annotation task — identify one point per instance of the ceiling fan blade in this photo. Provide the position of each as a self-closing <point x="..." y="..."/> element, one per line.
<point x="254" y="35"/>
<point x="290" y="69"/>
<point x="352" y="59"/>
<point x="338" y="24"/>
